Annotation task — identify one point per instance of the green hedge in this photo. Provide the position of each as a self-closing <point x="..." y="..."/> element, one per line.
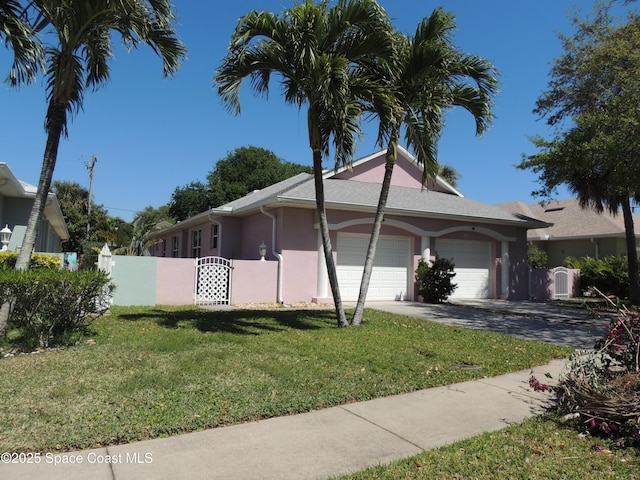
<point x="38" y="260"/>
<point x="53" y="306"/>
<point x="610" y="274"/>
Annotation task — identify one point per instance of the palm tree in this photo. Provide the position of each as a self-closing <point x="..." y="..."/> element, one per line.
<point x="428" y="76"/>
<point x="449" y="174"/>
<point x="19" y="34"/>
<point x="79" y="58"/>
<point x="321" y="54"/>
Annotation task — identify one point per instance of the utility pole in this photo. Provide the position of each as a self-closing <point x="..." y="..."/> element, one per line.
<point x="91" y="167"/>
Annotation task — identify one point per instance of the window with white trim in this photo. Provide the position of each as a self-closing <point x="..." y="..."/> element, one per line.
<point x="175" y="247"/>
<point x="214" y="236"/>
<point x="196" y="243"/>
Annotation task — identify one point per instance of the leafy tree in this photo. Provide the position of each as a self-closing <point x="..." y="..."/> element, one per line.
<point x="190" y="200"/>
<point x="247" y="169"/>
<point x="117" y="233"/>
<point x="537" y="258"/>
<point x="242" y="171"/>
<point x="428" y="75"/>
<point x="143" y="224"/>
<point x="320" y="53"/>
<point x="77" y="58"/>
<point x="150" y="216"/>
<point x="596" y="86"/>
<point x="73" y="199"/>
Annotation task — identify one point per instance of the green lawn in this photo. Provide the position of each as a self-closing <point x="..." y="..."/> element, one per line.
<point x="153" y="372"/>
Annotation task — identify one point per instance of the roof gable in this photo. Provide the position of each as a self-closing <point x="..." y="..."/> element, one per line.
<point x="406" y="172"/>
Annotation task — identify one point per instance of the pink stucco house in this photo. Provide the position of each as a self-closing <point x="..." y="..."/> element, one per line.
<point x="488" y="244"/>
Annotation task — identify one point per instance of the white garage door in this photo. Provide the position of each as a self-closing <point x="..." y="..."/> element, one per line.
<point x="389" y="276"/>
<point x="472" y="266"/>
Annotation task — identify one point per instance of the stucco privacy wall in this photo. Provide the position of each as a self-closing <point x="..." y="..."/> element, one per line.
<point x="150" y="281"/>
<point x="254" y="282"/>
<point x="542" y="286"/>
<point x="135" y="280"/>
<point x="175" y="281"/>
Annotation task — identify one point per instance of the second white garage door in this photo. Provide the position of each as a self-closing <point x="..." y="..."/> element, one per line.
<point x="472" y="266"/>
<point x="390" y="267"/>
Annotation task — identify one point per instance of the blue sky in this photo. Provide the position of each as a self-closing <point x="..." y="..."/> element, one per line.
<point x="151" y="135"/>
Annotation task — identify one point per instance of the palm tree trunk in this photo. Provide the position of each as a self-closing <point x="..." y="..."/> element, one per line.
<point x="391" y="157"/>
<point x="326" y="240"/>
<point x="315" y="143"/>
<point x="632" y="254"/>
<point x="56" y="121"/>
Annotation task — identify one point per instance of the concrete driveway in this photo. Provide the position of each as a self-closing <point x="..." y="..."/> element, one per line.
<point x="545" y="322"/>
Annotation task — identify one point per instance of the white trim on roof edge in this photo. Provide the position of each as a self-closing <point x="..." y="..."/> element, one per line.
<point x="418" y="231"/>
<point x="328" y="173"/>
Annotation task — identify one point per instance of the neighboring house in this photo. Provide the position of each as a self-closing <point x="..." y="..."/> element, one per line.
<point x="487" y="244"/>
<point x="576" y="232"/>
<point x="16" y="200"/>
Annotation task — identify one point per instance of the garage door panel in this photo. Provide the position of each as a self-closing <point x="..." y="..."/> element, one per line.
<point x="472" y="262"/>
<point x="390" y="267"/>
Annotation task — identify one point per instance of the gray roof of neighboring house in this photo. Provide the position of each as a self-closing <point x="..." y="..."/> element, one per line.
<point x="570" y="220"/>
<point x="10" y="186"/>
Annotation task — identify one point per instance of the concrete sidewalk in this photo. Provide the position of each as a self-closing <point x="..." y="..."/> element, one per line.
<point x="313" y="445"/>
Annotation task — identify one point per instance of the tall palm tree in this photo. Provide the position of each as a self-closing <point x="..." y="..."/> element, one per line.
<point x="20" y="35"/>
<point x="78" y="58"/>
<point x="320" y="53"/>
<point x="427" y="76"/>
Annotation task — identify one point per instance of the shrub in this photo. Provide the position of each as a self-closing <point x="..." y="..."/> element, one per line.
<point x="434" y="282"/>
<point x="38" y="260"/>
<point x="537" y="257"/>
<point x="52" y="306"/>
<point x="610" y="275"/>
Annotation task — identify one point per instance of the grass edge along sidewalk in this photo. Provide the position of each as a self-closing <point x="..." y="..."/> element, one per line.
<point x="540" y="447"/>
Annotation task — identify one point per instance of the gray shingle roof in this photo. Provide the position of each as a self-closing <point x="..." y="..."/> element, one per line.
<point x="345" y="194"/>
<point x="260" y="197"/>
<point x="570" y="220"/>
<point x="363" y="196"/>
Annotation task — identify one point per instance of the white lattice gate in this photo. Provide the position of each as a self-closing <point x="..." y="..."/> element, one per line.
<point x="560" y="282"/>
<point x="213" y="281"/>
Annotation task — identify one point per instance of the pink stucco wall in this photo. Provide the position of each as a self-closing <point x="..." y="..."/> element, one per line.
<point x="300" y="244"/>
<point x="297" y="240"/>
<point x="175" y="281"/>
<point x="254" y="281"/>
<point x="405" y="173"/>
<point x="542" y="286"/>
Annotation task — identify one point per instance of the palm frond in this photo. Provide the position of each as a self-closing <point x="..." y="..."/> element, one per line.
<point x="20" y="35"/>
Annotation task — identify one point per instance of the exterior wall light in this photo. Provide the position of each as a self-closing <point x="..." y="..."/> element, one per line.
<point x="5" y="236"/>
<point x="262" y="250"/>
